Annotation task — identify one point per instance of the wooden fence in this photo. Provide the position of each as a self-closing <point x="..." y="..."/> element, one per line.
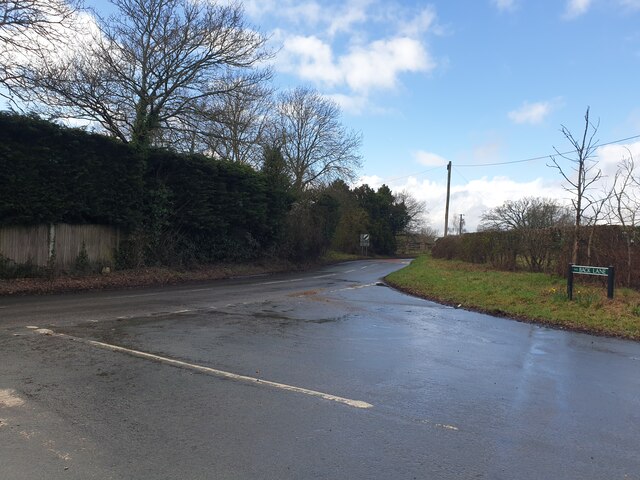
<point x="38" y="244"/>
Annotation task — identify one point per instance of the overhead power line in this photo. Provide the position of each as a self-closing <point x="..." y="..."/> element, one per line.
<point x="532" y="159"/>
<point x="544" y="157"/>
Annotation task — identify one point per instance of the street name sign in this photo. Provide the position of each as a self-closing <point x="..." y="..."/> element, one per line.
<point x="608" y="272"/>
<point x="601" y="271"/>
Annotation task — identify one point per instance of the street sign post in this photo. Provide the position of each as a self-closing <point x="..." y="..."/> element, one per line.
<point x="608" y="272"/>
<point x="365" y="240"/>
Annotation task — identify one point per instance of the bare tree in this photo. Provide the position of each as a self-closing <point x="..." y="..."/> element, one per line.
<point x="239" y="122"/>
<point x="429" y="233"/>
<point x="530" y="218"/>
<point x="529" y="212"/>
<point x="599" y="210"/>
<point x="585" y="175"/>
<point x="415" y="209"/>
<point x="626" y="204"/>
<point x="24" y="26"/>
<point x="149" y="69"/>
<point x="316" y="147"/>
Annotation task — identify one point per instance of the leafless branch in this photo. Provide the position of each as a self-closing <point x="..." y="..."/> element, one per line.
<point x="316" y="147"/>
<point x="152" y="65"/>
<point x="25" y="27"/>
<point x="585" y="173"/>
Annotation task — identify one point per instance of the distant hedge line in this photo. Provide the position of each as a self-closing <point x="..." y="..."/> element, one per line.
<point x="549" y="250"/>
<point x="176" y="208"/>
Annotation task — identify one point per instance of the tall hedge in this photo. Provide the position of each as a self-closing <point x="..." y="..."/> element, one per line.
<point x="549" y="250"/>
<point x="176" y="208"/>
<point x="216" y="210"/>
<point x="53" y="174"/>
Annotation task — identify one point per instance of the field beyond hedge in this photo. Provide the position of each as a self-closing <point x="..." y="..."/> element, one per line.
<point x="532" y="297"/>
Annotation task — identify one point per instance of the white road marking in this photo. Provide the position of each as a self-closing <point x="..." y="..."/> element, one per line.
<point x="232" y="376"/>
<point x="366" y="266"/>
<point x="349" y="271"/>
<point x="325" y="276"/>
<point x="181" y="311"/>
<point x="220" y="373"/>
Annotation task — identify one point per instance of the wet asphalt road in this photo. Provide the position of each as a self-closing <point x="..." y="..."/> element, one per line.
<point x="450" y="394"/>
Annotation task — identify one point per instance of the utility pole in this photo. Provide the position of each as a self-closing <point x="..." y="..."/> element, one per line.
<point x="461" y="227"/>
<point x="446" y="210"/>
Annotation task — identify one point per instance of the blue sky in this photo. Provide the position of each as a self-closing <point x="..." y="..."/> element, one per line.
<point x="471" y="82"/>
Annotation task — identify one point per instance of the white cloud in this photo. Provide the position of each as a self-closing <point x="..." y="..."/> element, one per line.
<point x="338" y="17"/>
<point x="532" y="113"/>
<point x="474" y="197"/>
<point x="296" y="12"/>
<point x="378" y="65"/>
<point x="429" y="159"/>
<point x="504" y="5"/>
<point x="351" y="48"/>
<point x="256" y="9"/>
<point x="373" y="181"/>
<point x="355" y="105"/>
<point x="575" y="8"/>
<point x="311" y="59"/>
<point x="375" y="66"/>
<point x="471" y="198"/>
<point x="353" y="12"/>
<point x="421" y="23"/>
<point x="610" y="156"/>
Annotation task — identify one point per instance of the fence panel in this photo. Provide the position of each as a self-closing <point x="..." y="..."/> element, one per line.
<point x="100" y="241"/>
<point x="24" y="244"/>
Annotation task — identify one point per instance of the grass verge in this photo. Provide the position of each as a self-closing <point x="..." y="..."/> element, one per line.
<point x="532" y="297"/>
